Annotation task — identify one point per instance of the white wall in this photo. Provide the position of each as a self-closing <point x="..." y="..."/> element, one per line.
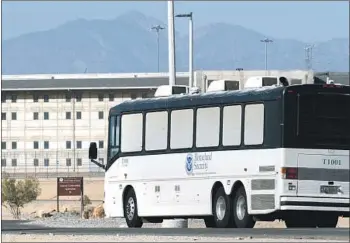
<point x="57" y="130"/>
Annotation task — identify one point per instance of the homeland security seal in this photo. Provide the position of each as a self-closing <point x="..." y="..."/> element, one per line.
<point x="189" y="163"/>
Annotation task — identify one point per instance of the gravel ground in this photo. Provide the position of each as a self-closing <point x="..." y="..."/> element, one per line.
<point x="72" y="220"/>
<point x="140" y="238"/>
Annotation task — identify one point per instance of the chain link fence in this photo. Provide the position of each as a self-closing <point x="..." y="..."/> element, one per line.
<point x="50" y="164"/>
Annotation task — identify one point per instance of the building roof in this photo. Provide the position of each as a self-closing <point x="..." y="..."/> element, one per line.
<point x="88" y="81"/>
<point x="338" y="77"/>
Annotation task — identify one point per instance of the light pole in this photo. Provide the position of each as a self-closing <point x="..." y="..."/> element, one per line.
<point x="171" y="43"/>
<point x="266" y="41"/>
<point x="308" y="56"/>
<point x="190" y="49"/>
<point x="157" y="28"/>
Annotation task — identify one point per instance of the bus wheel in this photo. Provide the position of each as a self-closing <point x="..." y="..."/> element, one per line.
<point x="327" y="220"/>
<point x="221" y="209"/>
<point x="240" y="210"/>
<point x="130" y="210"/>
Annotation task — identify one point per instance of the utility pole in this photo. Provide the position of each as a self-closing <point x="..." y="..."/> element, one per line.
<point x="157" y="28"/>
<point x="171" y="43"/>
<point x="190" y="48"/>
<point x="266" y="41"/>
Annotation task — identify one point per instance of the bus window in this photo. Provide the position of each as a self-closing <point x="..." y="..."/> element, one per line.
<point x="317" y="121"/>
<point x="324" y="119"/>
<point x="114" y="131"/>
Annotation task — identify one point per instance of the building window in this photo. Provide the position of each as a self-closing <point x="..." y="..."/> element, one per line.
<point x="79" y="162"/>
<point x="100" y="144"/>
<point x="101" y="160"/>
<point x="78" y="97"/>
<point x="3" y="116"/>
<point x="46" y="98"/>
<point x="35" y="115"/>
<point x="3" y="145"/>
<point x="111" y="97"/>
<point x="3" y="162"/>
<point x="144" y="95"/>
<point x="46" y="162"/>
<point x="133" y="96"/>
<point x="46" y="144"/>
<point x="14" y="145"/>
<point x="68" y="144"/>
<point x="13" y="98"/>
<point x="13" y="115"/>
<point x="36" y="162"/>
<point x="46" y="115"/>
<point x="68" y="162"/>
<point x="35" y="98"/>
<point x="100" y="115"/>
<point x="3" y="98"/>
<point x="78" y="115"/>
<point x="14" y="162"/>
<point x="100" y="97"/>
<point x="79" y="144"/>
<point x="36" y="145"/>
<point x="68" y="115"/>
<point x="68" y="97"/>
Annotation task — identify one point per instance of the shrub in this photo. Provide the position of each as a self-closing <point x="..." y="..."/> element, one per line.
<point x="87" y="200"/>
<point x="16" y="193"/>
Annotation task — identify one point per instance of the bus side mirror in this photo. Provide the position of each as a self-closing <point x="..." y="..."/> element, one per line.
<point x="93" y="151"/>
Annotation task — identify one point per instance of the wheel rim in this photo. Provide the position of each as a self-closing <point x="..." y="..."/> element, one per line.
<point x="130" y="208"/>
<point x="220" y="208"/>
<point x="241" y="208"/>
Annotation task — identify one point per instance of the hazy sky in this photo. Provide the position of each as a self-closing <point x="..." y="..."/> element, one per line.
<point x="306" y="21"/>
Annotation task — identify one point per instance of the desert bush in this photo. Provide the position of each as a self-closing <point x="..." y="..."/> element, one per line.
<point x="87" y="200"/>
<point x="16" y="193"/>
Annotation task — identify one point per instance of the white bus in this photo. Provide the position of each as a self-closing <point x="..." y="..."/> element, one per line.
<point x="231" y="158"/>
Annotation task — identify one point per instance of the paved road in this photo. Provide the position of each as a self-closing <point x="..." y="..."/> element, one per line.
<point x="16" y="226"/>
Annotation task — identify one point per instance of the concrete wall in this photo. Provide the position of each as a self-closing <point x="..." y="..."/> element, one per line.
<point x="57" y="130"/>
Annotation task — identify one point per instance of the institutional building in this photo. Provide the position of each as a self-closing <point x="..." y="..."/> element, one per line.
<point x="48" y="121"/>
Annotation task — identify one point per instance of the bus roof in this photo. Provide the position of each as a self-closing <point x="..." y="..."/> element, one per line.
<point x="195" y="100"/>
<point x="215" y="98"/>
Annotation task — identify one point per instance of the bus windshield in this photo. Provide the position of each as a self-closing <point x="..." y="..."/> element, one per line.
<point x="114" y="131"/>
<point x="321" y="121"/>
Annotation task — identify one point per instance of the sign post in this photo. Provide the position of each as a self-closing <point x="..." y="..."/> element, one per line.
<point x="70" y="186"/>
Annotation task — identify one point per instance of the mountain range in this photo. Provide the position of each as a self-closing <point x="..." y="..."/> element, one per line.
<point x="127" y="44"/>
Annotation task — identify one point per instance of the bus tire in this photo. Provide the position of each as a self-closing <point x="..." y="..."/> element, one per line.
<point x="130" y="210"/>
<point x="221" y="209"/>
<point x="241" y="217"/>
<point x="327" y="220"/>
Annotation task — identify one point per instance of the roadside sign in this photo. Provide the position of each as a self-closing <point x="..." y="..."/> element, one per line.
<point x="69" y="186"/>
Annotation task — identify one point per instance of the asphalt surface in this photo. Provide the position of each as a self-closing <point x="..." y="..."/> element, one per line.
<point x="342" y="234"/>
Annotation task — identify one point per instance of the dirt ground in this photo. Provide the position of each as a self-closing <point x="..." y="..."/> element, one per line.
<point x="94" y="189"/>
<point x="143" y="238"/>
